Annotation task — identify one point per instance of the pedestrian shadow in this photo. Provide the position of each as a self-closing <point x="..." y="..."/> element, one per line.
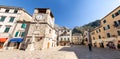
<point x="81" y="52"/>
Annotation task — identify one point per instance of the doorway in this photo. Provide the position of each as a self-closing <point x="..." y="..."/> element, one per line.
<point x="48" y="45"/>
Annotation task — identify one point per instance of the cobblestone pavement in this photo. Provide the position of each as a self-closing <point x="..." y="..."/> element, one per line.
<point x="82" y="52"/>
<point x="67" y="52"/>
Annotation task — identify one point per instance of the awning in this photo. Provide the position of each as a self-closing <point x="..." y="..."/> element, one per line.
<point x="16" y="40"/>
<point x="3" y="39"/>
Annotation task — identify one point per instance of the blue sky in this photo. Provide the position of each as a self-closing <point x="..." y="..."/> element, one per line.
<point x="69" y="13"/>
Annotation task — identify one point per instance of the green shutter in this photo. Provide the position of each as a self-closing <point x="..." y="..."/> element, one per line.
<point x="119" y="12"/>
<point x="24" y="25"/>
<point x="2" y="18"/>
<point x="113" y="15"/>
<point x="16" y="34"/>
<point x="23" y="34"/>
<point x="11" y="19"/>
<point x="7" y="29"/>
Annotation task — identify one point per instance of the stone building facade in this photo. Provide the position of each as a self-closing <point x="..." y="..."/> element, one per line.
<point x="41" y="32"/>
<point x="8" y="19"/>
<point x="85" y="40"/>
<point x="64" y="36"/>
<point x="77" y="38"/>
<point x="108" y="33"/>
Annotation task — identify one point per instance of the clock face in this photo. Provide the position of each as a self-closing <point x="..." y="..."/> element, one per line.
<point x="39" y="17"/>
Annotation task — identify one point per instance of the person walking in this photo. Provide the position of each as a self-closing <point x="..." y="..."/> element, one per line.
<point x="90" y="47"/>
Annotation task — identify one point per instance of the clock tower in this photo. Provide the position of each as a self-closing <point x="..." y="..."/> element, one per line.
<point x="44" y="15"/>
<point x="43" y="26"/>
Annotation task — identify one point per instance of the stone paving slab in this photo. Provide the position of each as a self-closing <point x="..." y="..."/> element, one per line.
<point x="62" y="52"/>
<point x="43" y="54"/>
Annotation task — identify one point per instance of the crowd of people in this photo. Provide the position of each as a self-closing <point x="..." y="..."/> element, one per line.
<point x="111" y="45"/>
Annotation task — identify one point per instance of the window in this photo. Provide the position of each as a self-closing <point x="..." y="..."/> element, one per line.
<point x="99" y="30"/>
<point x="118" y="33"/>
<point x="104" y="21"/>
<point x="68" y="39"/>
<point x="64" y="39"/>
<point x="16" y="34"/>
<point x="2" y="18"/>
<point x="119" y="11"/>
<point x="11" y="19"/>
<point x="7" y="10"/>
<point x="116" y="14"/>
<point x="99" y="37"/>
<point x="15" y="11"/>
<point x="23" y="34"/>
<point x="119" y="22"/>
<point x="108" y="35"/>
<point x="116" y="23"/>
<point x="7" y="29"/>
<point x="19" y="34"/>
<point x="24" y="25"/>
<point x="113" y="15"/>
<point x="103" y="28"/>
<point x="41" y="11"/>
<point x="108" y="26"/>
